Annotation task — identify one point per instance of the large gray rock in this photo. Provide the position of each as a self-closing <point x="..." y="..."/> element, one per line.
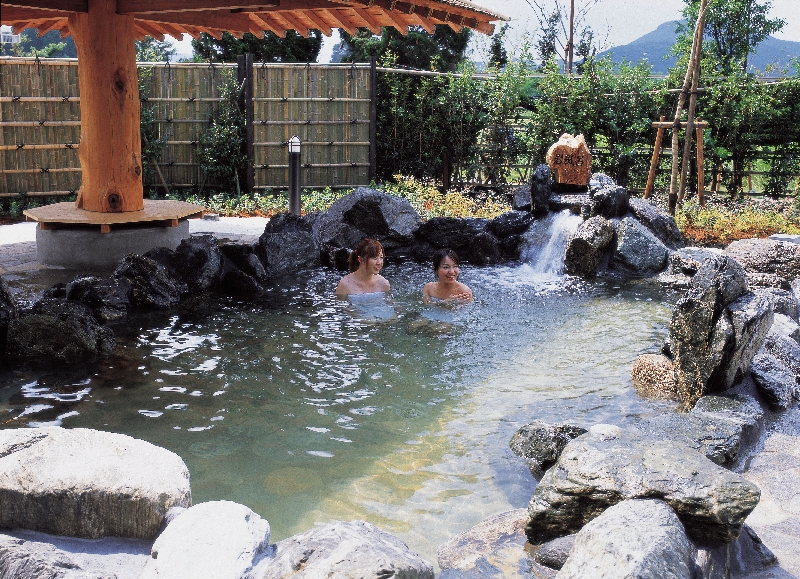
<point x="521" y="201"/>
<point x="609" y="202"/>
<point x="341" y="550"/>
<point x="653" y="376"/>
<point x="152" y="284"/>
<point x="244" y="257"/>
<point x="743" y="558"/>
<point x="554" y="554"/>
<point x="367" y="213"/>
<point x="777" y="383"/>
<point x="587" y="246"/>
<point x="31" y="555"/>
<point x="58" y="332"/>
<point x="199" y="262"/>
<point x="701" y="332"/>
<point x="219" y="539"/>
<point x="782" y="342"/>
<point x="660" y="223"/>
<point x="470" y="238"/>
<point x="600" y="181"/>
<point x="638" y="251"/>
<point x="540" y="444"/>
<point x="86" y="483"/>
<point x="786" y="327"/>
<point x="541" y="189"/>
<point x="609" y="465"/>
<point x="783" y="301"/>
<point x="510" y="223"/>
<point x="108" y="297"/>
<point x="641" y="538"/>
<point x="768" y="262"/>
<point x="287" y="244"/>
<point x="8" y="312"/>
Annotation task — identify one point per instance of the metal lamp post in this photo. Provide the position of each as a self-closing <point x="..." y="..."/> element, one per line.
<point x="294" y="175"/>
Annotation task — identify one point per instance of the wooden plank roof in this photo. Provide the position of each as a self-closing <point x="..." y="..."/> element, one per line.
<point x="176" y="17"/>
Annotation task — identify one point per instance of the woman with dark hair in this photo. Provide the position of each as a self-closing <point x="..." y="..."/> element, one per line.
<point x="448" y="288"/>
<point x="365" y="265"/>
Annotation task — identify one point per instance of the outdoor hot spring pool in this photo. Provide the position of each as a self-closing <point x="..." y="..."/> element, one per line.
<point x="307" y="410"/>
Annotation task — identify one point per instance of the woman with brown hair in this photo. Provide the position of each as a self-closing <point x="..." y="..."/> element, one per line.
<point x="365" y="265"/>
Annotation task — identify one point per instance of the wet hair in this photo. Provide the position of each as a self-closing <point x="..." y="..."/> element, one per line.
<point x="439" y="256"/>
<point x="368" y="248"/>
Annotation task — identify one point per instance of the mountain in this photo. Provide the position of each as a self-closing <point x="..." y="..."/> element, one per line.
<point x="655" y="46"/>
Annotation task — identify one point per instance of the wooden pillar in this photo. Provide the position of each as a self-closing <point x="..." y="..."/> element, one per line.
<point x="654" y="162"/>
<point x="244" y="74"/>
<point x="373" y="119"/>
<point x="701" y="174"/>
<point x="110" y="150"/>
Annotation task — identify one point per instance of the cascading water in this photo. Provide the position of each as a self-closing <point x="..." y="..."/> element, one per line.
<point x="546" y="243"/>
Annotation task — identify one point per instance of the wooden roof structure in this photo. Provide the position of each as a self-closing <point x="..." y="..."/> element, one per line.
<point x="176" y="17"/>
<point x="104" y="30"/>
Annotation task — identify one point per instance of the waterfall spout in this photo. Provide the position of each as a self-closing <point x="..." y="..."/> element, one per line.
<point x="546" y="243"/>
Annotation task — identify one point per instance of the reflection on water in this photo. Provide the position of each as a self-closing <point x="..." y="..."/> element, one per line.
<point x="305" y="410"/>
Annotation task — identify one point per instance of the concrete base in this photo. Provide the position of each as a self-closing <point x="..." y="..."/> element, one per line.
<point x="88" y="248"/>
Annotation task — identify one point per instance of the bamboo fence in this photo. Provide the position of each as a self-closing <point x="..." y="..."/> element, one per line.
<point x="327" y="106"/>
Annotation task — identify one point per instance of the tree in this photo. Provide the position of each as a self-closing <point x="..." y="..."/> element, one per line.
<point x="443" y="50"/>
<point x="152" y="50"/>
<point x="498" y="57"/>
<point x="270" y="48"/>
<point x="49" y="45"/>
<point x="554" y="34"/>
<point x="734" y="28"/>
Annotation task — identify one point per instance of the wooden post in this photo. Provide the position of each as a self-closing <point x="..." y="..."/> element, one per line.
<point x="701" y="174"/>
<point x="373" y="119"/>
<point x="110" y="150"/>
<point x="651" y="176"/>
<point x="244" y="74"/>
<point x="687" y="141"/>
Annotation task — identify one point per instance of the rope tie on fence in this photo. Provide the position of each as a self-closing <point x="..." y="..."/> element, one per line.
<point x="284" y="99"/>
<point x="15" y="99"/>
<point x="167" y="69"/>
<point x="41" y="123"/>
<point x="68" y="146"/>
<point x="193" y="143"/>
<point x="263" y="69"/>
<point x="20" y="146"/>
<point x="44" y="170"/>
<point x="168" y="120"/>
<point x="307" y="165"/>
<point x="143" y="99"/>
<point x="65" y="99"/>
<point x="353" y="164"/>
<point x="330" y="143"/>
<point x="330" y="98"/>
<point x="191" y="99"/>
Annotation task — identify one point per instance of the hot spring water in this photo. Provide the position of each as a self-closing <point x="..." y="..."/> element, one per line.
<point x="300" y="409"/>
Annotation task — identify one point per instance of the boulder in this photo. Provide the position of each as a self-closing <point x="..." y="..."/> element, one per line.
<point x="541" y="189"/>
<point x="540" y="444"/>
<point x="636" y="538"/>
<point x="58" y="332"/>
<point x="609" y="465"/>
<point x="638" y="251"/>
<point x="287" y="245"/>
<point x="522" y="201"/>
<point x="743" y="558"/>
<point x="554" y="554"/>
<point x="31" y="555"/>
<point x="654" y="377"/>
<point x="468" y="237"/>
<point x="587" y="246"/>
<point x="767" y="262"/>
<point x="495" y="547"/>
<point x="786" y="327"/>
<point x="108" y="297"/>
<point x="152" y="285"/>
<point x="743" y="409"/>
<point x="219" y="539"/>
<point x="783" y="301"/>
<point x="609" y="202"/>
<point x="577" y="203"/>
<point x="509" y="224"/>
<point x="600" y="181"/>
<point x="8" y="312"/>
<point x="367" y="213"/>
<point x="199" y="262"/>
<point x="236" y="283"/>
<point x="341" y="550"/>
<point x="701" y="332"/>
<point x="86" y="483"/>
<point x="244" y="257"/>
<point x="570" y="160"/>
<point x="718" y="439"/>
<point x="777" y="383"/>
<point x="660" y="223"/>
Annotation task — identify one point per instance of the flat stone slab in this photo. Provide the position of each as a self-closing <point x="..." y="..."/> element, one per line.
<point x="87" y="483"/>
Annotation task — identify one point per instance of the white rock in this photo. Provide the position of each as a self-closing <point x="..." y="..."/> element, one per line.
<point x="214" y="540"/>
<point x="86" y="483"/>
<point x="638" y="538"/>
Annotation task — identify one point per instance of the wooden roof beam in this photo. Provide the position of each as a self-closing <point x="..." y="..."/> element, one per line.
<point x="216" y="20"/>
<point x="273" y="23"/>
<point x="293" y="22"/>
<point x="155" y="6"/>
<point x="151" y="29"/>
<point x="318" y="22"/>
<point x="368" y="20"/>
<point x="60" y="5"/>
<point x="342" y="22"/>
<point x="266" y="23"/>
<point x="426" y="23"/>
<point x="14" y="14"/>
<point x="46" y="27"/>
